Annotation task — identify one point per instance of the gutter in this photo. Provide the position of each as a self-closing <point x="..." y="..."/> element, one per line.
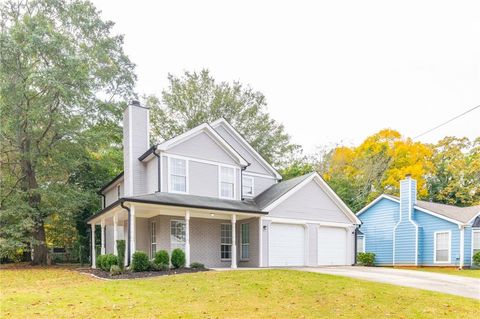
<point x="129" y="232"/>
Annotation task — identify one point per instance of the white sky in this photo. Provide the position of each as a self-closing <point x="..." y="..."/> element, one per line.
<point x="332" y="71"/>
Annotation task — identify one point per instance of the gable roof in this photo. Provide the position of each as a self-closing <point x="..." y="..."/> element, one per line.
<point x="277" y="193"/>
<point x="206" y="128"/>
<point x="107" y="185"/>
<point x="243" y="141"/>
<point x="455" y="214"/>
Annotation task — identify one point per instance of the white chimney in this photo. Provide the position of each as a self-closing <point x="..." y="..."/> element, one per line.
<point x="136" y="141"/>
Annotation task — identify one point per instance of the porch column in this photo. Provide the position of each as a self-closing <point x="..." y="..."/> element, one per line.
<point x="234" y="240"/>
<point x="187" y="238"/>
<point x="102" y="223"/>
<point x="462" y="246"/>
<point x="260" y="239"/>
<point x="94" y="255"/>
<point x="132" y="232"/>
<point x="115" y="234"/>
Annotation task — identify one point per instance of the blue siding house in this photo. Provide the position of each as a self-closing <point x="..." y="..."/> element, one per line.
<point x="410" y="232"/>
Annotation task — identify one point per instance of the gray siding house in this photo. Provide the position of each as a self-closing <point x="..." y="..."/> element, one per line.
<point x="208" y="192"/>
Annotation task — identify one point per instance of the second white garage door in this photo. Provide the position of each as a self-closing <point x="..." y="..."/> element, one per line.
<point x="332" y="246"/>
<point x="286" y="245"/>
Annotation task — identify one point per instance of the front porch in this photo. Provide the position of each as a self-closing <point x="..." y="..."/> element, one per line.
<point x="215" y="238"/>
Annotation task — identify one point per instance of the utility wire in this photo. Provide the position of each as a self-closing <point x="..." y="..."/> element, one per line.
<point x="446" y="122"/>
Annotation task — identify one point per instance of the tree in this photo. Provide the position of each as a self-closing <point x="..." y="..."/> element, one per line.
<point x="196" y="98"/>
<point x="62" y="72"/>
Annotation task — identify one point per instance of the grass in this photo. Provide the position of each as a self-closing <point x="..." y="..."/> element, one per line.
<point x="473" y="273"/>
<point x="64" y="293"/>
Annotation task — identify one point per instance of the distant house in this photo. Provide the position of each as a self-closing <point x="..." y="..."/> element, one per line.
<point x="210" y="193"/>
<point x="407" y="231"/>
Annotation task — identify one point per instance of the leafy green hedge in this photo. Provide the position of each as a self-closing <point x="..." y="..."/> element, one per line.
<point x="162" y="258"/>
<point x="178" y="258"/>
<point x="476" y="259"/>
<point x="140" y="261"/>
<point x="366" y="259"/>
<point x="108" y="261"/>
<point x="121" y="253"/>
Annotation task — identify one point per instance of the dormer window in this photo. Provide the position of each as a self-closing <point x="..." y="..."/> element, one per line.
<point x="227" y="182"/>
<point x="178" y="175"/>
<point x="247" y="186"/>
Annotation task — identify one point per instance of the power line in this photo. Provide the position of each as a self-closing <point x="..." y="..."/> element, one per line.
<point x="446" y="122"/>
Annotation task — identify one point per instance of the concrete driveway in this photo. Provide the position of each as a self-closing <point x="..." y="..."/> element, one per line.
<point x="455" y="285"/>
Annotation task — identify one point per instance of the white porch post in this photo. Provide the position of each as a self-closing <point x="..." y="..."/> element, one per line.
<point x="102" y="223"/>
<point x="115" y="234"/>
<point x="94" y="257"/>
<point x="187" y="238"/>
<point x="260" y="239"/>
<point x="234" y="240"/>
<point x="462" y="246"/>
<point x="132" y="232"/>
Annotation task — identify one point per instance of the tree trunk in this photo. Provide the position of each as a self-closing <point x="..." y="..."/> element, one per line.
<point x="40" y="251"/>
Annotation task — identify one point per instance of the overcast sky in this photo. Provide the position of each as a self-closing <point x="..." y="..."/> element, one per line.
<point x="332" y="71"/>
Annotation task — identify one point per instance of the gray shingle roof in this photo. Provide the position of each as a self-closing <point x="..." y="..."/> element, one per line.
<point x="274" y="192"/>
<point x="184" y="200"/>
<point x="461" y="214"/>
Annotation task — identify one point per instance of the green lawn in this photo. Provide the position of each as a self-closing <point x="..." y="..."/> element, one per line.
<point x="65" y="293"/>
<point x="474" y="273"/>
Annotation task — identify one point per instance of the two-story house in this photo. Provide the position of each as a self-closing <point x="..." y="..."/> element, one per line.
<point x="208" y="192"/>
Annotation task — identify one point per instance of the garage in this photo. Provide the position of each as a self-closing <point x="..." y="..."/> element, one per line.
<point x="286" y="245"/>
<point x="332" y="246"/>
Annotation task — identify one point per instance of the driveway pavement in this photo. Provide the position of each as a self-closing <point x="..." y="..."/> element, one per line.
<point x="455" y="285"/>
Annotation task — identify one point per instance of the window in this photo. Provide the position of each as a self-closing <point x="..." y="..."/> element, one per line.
<point x="177" y="234"/>
<point x="118" y="191"/>
<point x="360" y="244"/>
<point x="247" y="186"/>
<point x="227" y="182"/>
<point x="475" y="242"/>
<point x="442" y="247"/>
<point x="153" y="239"/>
<point x="245" y="236"/>
<point x="226" y="241"/>
<point x="178" y="175"/>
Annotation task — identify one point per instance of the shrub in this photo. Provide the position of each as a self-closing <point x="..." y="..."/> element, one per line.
<point x="196" y="265"/>
<point x="158" y="267"/>
<point x="366" y="259"/>
<point x="108" y="261"/>
<point x="115" y="270"/>
<point x="178" y="258"/>
<point x="121" y="253"/>
<point x="476" y="259"/>
<point x="140" y="261"/>
<point x="98" y="261"/>
<point x="161" y="257"/>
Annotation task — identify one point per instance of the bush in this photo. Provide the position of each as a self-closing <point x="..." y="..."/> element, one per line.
<point x="366" y="259"/>
<point x="196" y="265"/>
<point x="98" y="261"/>
<point x="121" y="253"/>
<point x="115" y="270"/>
<point x="140" y="261"/>
<point x="178" y="258"/>
<point x="162" y="258"/>
<point x="108" y="261"/>
<point x="159" y="267"/>
<point x="476" y="259"/>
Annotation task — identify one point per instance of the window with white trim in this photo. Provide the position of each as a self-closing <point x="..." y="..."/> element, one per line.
<point x="247" y="186"/>
<point x="227" y="182"/>
<point x="245" y="238"/>
<point x="360" y="244"/>
<point x="442" y="247"/>
<point x="226" y="241"/>
<point x="475" y="242"/>
<point x="178" y="175"/>
<point x="153" y="239"/>
<point x="177" y="234"/>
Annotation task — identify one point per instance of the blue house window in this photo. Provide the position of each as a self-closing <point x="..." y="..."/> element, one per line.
<point x="442" y="247"/>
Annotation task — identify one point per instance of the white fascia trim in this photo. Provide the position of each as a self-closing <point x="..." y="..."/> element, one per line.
<point x="205" y="127"/>
<point x="250" y="148"/>
<point x="199" y="160"/>
<point x="438" y="215"/>
<point x="246" y="173"/>
<point x="376" y="200"/>
<point x="473" y="218"/>
<point x="281" y="220"/>
<point x="449" y="247"/>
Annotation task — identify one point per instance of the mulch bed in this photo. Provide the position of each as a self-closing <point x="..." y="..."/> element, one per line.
<point x="144" y="274"/>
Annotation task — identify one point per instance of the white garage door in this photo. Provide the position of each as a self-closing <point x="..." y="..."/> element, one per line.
<point x="286" y="245"/>
<point x="332" y="246"/>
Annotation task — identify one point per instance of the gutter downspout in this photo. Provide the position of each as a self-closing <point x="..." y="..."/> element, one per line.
<point x="103" y="200"/>
<point x="241" y="180"/>
<point x="122" y="203"/>
<point x="355" y="247"/>
<point x="159" y="180"/>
